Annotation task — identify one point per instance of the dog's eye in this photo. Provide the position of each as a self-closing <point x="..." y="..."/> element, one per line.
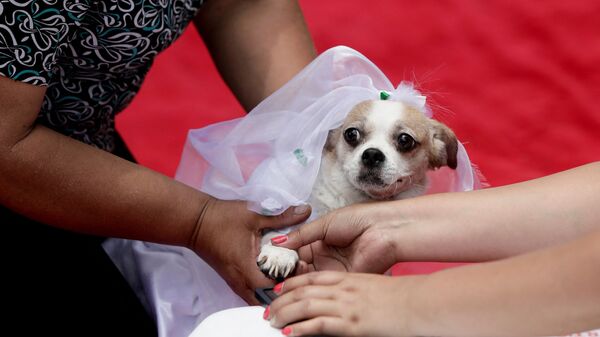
<point x="406" y="142"/>
<point x="352" y="135"/>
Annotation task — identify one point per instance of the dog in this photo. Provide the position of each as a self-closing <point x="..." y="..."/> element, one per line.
<point x="382" y="151"/>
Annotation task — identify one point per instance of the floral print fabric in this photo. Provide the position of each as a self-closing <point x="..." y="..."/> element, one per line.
<point x="91" y="55"/>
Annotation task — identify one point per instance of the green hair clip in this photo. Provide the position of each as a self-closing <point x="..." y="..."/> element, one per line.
<point x="384" y="95"/>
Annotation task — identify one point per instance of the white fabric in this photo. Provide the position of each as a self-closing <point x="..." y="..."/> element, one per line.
<point x="271" y="159"/>
<point x="236" y="322"/>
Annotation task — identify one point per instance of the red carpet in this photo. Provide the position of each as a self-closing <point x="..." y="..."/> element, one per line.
<point x="516" y="80"/>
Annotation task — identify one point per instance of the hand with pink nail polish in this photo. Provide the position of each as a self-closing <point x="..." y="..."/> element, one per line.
<point x="342" y="304"/>
<point x="358" y="238"/>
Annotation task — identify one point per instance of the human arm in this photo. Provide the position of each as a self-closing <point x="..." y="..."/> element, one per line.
<point x="471" y="226"/>
<point x="62" y="182"/>
<point x="553" y="291"/>
<point x="257" y="45"/>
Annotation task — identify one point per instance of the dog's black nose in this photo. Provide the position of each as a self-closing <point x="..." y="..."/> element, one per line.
<point x="372" y="158"/>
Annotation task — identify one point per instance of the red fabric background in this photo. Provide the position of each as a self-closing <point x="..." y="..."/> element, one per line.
<point x="518" y="81"/>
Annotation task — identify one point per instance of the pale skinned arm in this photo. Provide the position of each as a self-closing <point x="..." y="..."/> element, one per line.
<point x="504" y="221"/>
<point x="554" y="291"/>
<point x="471" y="226"/>
<point x="551" y="292"/>
<point x="257" y="45"/>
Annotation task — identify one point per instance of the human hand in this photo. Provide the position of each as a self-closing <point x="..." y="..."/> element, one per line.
<point x="342" y="304"/>
<point x="228" y="238"/>
<point x="359" y="238"/>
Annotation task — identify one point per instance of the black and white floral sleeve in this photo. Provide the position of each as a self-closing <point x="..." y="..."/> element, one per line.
<point x="31" y="35"/>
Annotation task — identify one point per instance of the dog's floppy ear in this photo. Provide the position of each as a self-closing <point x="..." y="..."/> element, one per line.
<point x="444" y="146"/>
<point x="332" y="139"/>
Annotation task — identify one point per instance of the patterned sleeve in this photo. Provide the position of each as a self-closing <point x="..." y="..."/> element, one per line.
<point x="31" y="33"/>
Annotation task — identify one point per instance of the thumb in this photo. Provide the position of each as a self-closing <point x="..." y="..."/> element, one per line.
<point x="291" y="216"/>
<point x="305" y="235"/>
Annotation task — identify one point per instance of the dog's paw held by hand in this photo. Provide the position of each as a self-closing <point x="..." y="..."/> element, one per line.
<point x="277" y="262"/>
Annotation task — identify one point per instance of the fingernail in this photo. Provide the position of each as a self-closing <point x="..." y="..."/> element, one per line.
<point x="278" y="288"/>
<point x="266" y="314"/>
<point x="287" y="331"/>
<point x="301" y="209"/>
<point x="279" y="239"/>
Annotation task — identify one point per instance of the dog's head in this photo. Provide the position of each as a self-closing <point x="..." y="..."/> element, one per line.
<point x="385" y="148"/>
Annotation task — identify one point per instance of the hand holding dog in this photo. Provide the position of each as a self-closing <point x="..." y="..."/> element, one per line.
<point x="358" y="238"/>
<point x="228" y="238"/>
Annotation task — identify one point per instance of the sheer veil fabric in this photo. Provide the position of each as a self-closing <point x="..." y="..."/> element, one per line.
<point x="270" y="158"/>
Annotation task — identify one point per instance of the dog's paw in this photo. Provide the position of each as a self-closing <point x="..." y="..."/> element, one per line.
<point x="277" y="262"/>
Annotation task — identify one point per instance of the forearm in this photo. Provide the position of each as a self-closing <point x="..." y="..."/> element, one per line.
<point x="546" y="293"/>
<point x="257" y="45"/>
<point x="497" y="222"/>
<point x="62" y="182"/>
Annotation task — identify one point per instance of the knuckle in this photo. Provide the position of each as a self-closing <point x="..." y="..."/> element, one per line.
<point x="349" y="288"/>
<point x="308" y="306"/>
<point x="347" y="298"/>
<point x="302" y="236"/>
<point x="320" y="325"/>
<point x="331" y="277"/>
<point x="299" y="293"/>
<point x="323" y="276"/>
<point x="335" y="295"/>
<point x="328" y="222"/>
<point x="354" y="317"/>
<point x="280" y="218"/>
<point x="312" y="278"/>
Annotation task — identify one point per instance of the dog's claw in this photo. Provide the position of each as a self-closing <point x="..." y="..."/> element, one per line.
<point x="277" y="262"/>
<point x="262" y="260"/>
<point x="274" y="271"/>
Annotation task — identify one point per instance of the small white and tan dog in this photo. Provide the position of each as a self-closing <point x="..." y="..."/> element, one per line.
<point x="382" y="151"/>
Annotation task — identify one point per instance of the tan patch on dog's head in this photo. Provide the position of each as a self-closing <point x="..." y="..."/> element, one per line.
<point x="444" y="149"/>
<point x="355" y="117"/>
<point x="415" y="124"/>
<point x="433" y="135"/>
<point x="358" y="113"/>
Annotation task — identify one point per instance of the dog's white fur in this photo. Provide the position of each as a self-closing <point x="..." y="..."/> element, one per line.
<point x="344" y="177"/>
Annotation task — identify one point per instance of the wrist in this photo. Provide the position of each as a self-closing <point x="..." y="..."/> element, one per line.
<point x="420" y="229"/>
<point x="406" y="301"/>
<point x="400" y="221"/>
<point x="201" y="224"/>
